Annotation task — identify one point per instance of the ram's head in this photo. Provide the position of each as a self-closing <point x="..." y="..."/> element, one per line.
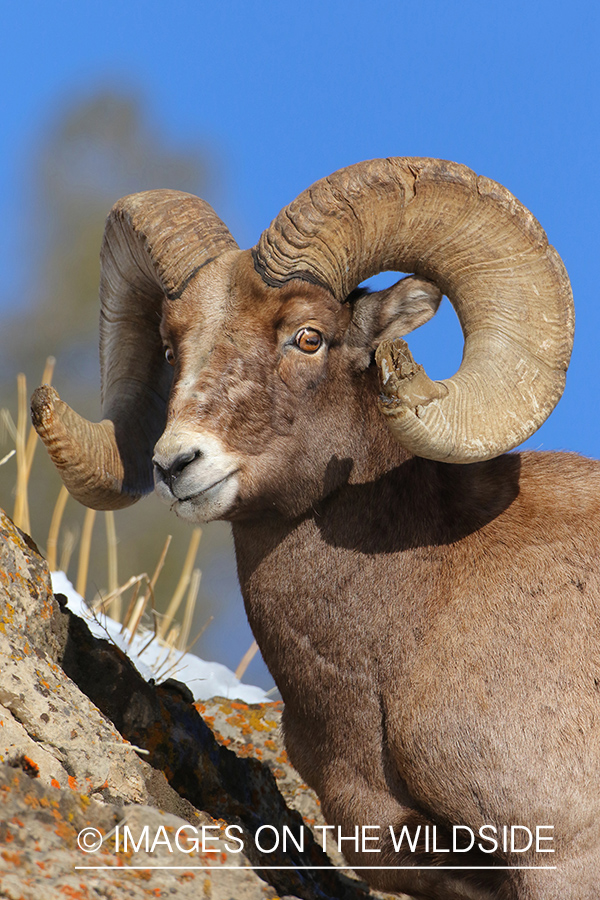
<point x="243" y="380"/>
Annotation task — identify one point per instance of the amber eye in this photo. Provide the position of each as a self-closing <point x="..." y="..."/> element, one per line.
<point x="169" y="356"/>
<point x="309" y="340"/>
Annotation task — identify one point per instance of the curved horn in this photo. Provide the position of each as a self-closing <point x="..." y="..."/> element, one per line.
<point x="154" y="245"/>
<point x="485" y="251"/>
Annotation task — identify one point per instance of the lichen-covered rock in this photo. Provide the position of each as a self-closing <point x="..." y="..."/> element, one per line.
<point x="27" y="605"/>
<point x="65" y="767"/>
<point x="73" y="713"/>
<point x="42" y="831"/>
<point x="43" y="714"/>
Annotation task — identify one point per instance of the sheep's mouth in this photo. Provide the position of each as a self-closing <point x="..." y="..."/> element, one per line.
<point x="214" y="501"/>
<point x="199" y="494"/>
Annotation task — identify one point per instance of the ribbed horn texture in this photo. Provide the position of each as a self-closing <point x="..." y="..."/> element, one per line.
<point x="70" y="441"/>
<point x="154" y="245"/>
<point x="485" y="251"/>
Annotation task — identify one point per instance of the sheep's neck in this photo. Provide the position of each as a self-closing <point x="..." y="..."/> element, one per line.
<point x="305" y="581"/>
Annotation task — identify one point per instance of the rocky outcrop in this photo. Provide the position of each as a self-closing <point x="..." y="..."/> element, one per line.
<point x="211" y="796"/>
<point x="40" y="858"/>
<point x="45" y="717"/>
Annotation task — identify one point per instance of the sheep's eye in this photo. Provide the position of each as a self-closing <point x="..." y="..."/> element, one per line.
<point x="169" y="356"/>
<point x="308" y="340"/>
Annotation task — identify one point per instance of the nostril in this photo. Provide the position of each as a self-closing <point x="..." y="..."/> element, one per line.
<point x="171" y="470"/>
<point x="180" y="462"/>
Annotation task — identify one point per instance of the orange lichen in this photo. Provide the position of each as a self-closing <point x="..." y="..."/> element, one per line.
<point x="29" y="766"/>
<point x="74" y="893"/>
<point x="63" y="831"/>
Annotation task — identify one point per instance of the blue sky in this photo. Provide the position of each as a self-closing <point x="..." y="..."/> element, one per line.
<point x="285" y="93"/>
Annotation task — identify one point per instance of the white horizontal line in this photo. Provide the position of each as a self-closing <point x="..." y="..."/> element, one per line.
<point x="325" y="868"/>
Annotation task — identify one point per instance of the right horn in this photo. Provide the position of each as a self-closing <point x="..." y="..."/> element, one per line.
<point x="485" y="251"/>
<point x="154" y="244"/>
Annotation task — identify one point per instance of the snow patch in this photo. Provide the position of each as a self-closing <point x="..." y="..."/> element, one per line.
<point x="154" y="660"/>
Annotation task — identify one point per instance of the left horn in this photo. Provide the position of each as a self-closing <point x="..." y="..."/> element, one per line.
<point x="154" y="245"/>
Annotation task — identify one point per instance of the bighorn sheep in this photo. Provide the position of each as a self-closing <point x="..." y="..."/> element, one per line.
<point x="434" y="629"/>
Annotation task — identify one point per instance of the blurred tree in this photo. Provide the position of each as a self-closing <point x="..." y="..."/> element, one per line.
<point x="100" y="149"/>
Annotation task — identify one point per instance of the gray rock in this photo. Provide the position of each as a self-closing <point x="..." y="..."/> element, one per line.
<point x="40" y="856"/>
<point x="67" y="764"/>
<point x="44" y="716"/>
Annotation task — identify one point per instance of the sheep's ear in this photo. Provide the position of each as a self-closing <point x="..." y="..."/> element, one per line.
<point x="389" y="314"/>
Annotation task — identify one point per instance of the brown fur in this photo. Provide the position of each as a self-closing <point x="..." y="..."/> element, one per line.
<point x="434" y="630"/>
